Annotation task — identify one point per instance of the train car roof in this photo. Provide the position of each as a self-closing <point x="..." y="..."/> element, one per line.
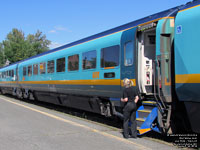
<point x="191" y="4"/>
<point x="157" y="16"/>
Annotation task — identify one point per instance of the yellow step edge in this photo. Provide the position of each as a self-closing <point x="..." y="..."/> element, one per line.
<point x="149" y="102"/>
<point x="140" y="119"/>
<point x="141" y="131"/>
<point x="145" y="110"/>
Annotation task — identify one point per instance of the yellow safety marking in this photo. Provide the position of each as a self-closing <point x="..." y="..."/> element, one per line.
<point x="188" y="78"/>
<point x="139" y="146"/>
<point x="145" y="110"/>
<point x="149" y="102"/>
<point x="140" y="119"/>
<point x="141" y="131"/>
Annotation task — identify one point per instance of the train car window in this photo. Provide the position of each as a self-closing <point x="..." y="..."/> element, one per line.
<point x="50" y="66"/>
<point x="42" y="68"/>
<point x="35" y="69"/>
<point x="128" y="54"/>
<point x="3" y="74"/>
<point x="60" y="65"/>
<point x="24" y="71"/>
<point x="12" y="73"/>
<point x="89" y="59"/>
<point x="73" y="62"/>
<point x="7" y="73"/>
<point x="30" y="70"/>
<point x="110" y="56"/>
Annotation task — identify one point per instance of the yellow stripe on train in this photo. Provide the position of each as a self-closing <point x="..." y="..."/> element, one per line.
<point x="188" y="78"/>
<point x="72" y="82"/>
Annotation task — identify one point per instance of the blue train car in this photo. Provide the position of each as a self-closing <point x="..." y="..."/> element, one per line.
<point x="187" y="70"/>
<point x="159" y="53"/>
<point x="8" y="79"/>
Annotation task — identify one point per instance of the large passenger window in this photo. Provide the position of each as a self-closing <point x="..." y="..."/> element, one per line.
<point x="128" y="54"/>
<point x="30" y="70"/>
<point x="35" y="69"/>
<point x="50" y="66"/>
<point x="73" y="62"/>
<point x="24" y="71"/>
<point x="110" y="56"/>
<point x="89" y="60"/>
<point x="60" y="65"/>
<point x="42" y="68"/>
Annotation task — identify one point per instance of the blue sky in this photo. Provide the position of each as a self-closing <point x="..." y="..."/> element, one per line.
<point x="65" y="21"/>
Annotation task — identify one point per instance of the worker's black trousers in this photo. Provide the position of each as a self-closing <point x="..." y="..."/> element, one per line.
<point x="129" y="112"/>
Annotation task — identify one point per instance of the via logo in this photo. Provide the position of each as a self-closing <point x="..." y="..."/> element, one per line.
<point x="179" y="29"/>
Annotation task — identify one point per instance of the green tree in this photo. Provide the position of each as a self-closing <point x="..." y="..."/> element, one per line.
<point x="2" y="57"/>
<point x="14" y="46"/>
<point x="37" y="43"/>
<point x="17" y="47"/>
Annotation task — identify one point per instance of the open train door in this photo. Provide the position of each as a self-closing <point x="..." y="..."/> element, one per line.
<point x="128" y="58"/>
<point x="146" y="47"/>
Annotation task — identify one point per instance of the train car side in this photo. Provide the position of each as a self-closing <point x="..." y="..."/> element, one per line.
<point x="8" y="79"/>
<point x="88" y="71"/>
<point x="187" y="61"/>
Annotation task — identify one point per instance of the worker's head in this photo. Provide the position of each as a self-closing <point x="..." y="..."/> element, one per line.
<point x="127" y="82"/>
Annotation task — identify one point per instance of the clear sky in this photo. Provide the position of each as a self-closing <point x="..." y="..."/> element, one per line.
<point x="65" y="21"/>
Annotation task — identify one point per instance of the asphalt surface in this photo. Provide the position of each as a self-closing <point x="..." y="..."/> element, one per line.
<point x="24" y="126"/>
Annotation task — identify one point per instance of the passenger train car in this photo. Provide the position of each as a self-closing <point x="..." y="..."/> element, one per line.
<point x="159" y="53"/>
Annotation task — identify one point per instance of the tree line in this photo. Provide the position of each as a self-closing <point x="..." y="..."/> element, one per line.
<point x="17" y="47"/>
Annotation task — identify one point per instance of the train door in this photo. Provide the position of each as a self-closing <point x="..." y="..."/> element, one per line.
<point x="165" y="35"/>
<point x="146" y="49"/>
<point x="17" y="73"/>
<point x="128" y="55"/>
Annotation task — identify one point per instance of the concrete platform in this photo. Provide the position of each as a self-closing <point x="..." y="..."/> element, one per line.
<point x="25" y="126"/>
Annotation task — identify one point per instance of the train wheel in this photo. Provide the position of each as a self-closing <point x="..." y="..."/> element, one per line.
<point x="19" y="94"/>
<point x="26" y="94"/>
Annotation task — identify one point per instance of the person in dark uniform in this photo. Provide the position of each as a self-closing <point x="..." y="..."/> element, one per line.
<point x="130" y="98"/>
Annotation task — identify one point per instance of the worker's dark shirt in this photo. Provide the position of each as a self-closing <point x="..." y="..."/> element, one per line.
<point x="130" y="94"/>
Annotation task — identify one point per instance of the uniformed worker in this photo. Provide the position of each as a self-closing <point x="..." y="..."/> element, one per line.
<point x="129" y="111"/>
